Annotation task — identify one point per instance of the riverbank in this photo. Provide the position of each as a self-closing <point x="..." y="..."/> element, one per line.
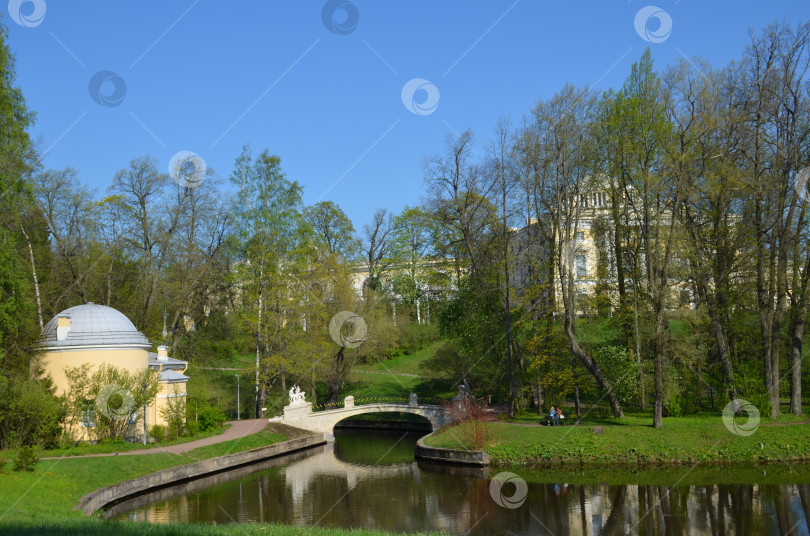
<point x="94" y="527"/>
<point x="43" y="501"/>
<point x="53" y="488"/>
<point x="633" y="441"/>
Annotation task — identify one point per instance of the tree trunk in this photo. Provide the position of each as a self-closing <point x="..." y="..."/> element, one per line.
<point x="335" y="377"/>
<point x="593" y="367"/>
<point x="258" y="402"/>
<point x="660" y="348"/>
<point x="283" y="381"/>
<point x="34" y="272"/>
<point x="721" y="340"/>
<point x="797" y="337"/>
<point x="642" y="394"/>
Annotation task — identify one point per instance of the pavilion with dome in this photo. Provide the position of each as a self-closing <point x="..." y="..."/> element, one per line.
<point x="96" y="334"/>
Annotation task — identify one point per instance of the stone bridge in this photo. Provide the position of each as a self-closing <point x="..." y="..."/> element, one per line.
<point x="300" y="415"/>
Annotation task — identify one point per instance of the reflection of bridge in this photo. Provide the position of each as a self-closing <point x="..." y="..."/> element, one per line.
<point x="300" y="415"/>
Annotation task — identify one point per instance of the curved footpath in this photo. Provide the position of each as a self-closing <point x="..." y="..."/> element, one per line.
<point x="237" y="430"/>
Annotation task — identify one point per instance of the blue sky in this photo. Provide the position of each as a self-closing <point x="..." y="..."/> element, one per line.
<point x="208" y="77"/>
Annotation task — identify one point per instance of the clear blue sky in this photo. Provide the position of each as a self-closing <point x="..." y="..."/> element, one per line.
<point x="209" y="76"/>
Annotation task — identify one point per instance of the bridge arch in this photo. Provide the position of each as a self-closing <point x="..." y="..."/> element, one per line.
<point x="300" y="415"/>
<point x="399" y="420"/>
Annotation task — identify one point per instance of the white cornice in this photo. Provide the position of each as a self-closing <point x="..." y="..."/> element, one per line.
<point x="145" y="347"/>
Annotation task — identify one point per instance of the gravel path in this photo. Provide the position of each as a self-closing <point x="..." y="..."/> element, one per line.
<point x="238" y="429"/>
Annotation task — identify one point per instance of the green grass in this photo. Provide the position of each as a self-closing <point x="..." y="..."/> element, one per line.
<point x="94" y="527"/>
<point x="397" y="378"/>
<point x="41" y="502"/>
<point x="273" y="433"/>
<point x="633" y="441"/>
<point x="405" y="364"/>
<point x="106" y="447"/>
<point x="54" y="487"/>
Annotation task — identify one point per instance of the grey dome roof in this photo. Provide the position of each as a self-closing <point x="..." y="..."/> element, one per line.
<point x="91" y="325"/>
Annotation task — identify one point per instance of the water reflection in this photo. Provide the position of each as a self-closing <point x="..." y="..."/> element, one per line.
<point x="370" y="480"/>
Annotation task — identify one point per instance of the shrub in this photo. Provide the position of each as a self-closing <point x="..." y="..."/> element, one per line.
<point x="26" y="459"/>
<point x="762" y="403"/>
<point x="673" y="405"/>
<point x="621" y="368"/>
<point x="111" y="396"/>
<point x="210" y="417"/>
<point x="158" y="433"/>
<point x="29" y="413"/>
<point x="415" y="337"/>
<point x="192" y="427"/>
<point x="174" y="412"/>
<point x="471" y="419"/>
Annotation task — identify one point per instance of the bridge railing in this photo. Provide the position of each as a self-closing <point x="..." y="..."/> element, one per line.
<point x="350" y="401"/>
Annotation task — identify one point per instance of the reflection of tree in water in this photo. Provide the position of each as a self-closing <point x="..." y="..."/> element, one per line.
<point x="612" y="525"/>
<point x="318" y="488"/>
<point x="804" y="497"/>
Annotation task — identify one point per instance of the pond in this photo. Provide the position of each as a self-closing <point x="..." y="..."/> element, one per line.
<point x="369" y="479"/>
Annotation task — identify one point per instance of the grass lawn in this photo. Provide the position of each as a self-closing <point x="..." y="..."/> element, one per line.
<point x="397" y="378"/>
<point x="273" y="433"/>
<point x="633" y="441"/>
<point x="404" y="364"/>
<point x="42" y="501"/>
<point x="55" y="486"/>
<point x="94" y="527"/>
<point x="105" y="447"/>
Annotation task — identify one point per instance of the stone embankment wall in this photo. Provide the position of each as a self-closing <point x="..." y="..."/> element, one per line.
<point x="100" y="498"/>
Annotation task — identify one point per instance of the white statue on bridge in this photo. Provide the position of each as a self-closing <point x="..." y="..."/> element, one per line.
<point x="297" y="396"/>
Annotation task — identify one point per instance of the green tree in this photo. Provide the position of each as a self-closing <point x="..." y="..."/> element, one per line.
<point x="110" y="398"/>
<point x="17" y="162"/>
<point x="652" y="197"/>
<point x="333" y="229"/>
<point x="270" y="227"/>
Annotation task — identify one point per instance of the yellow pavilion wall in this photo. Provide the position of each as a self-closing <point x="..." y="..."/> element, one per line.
<point x="55" y="363"/>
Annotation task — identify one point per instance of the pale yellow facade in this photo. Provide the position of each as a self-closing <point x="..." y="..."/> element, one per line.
<point x="95" y="335"/>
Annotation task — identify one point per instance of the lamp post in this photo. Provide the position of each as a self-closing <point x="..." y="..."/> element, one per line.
<point x="238" y="406"/>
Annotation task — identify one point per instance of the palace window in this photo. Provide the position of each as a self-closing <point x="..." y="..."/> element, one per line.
<point x="593" y="200"/>
<point x="88" y="413"/>
<point x="582" y="265"/>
